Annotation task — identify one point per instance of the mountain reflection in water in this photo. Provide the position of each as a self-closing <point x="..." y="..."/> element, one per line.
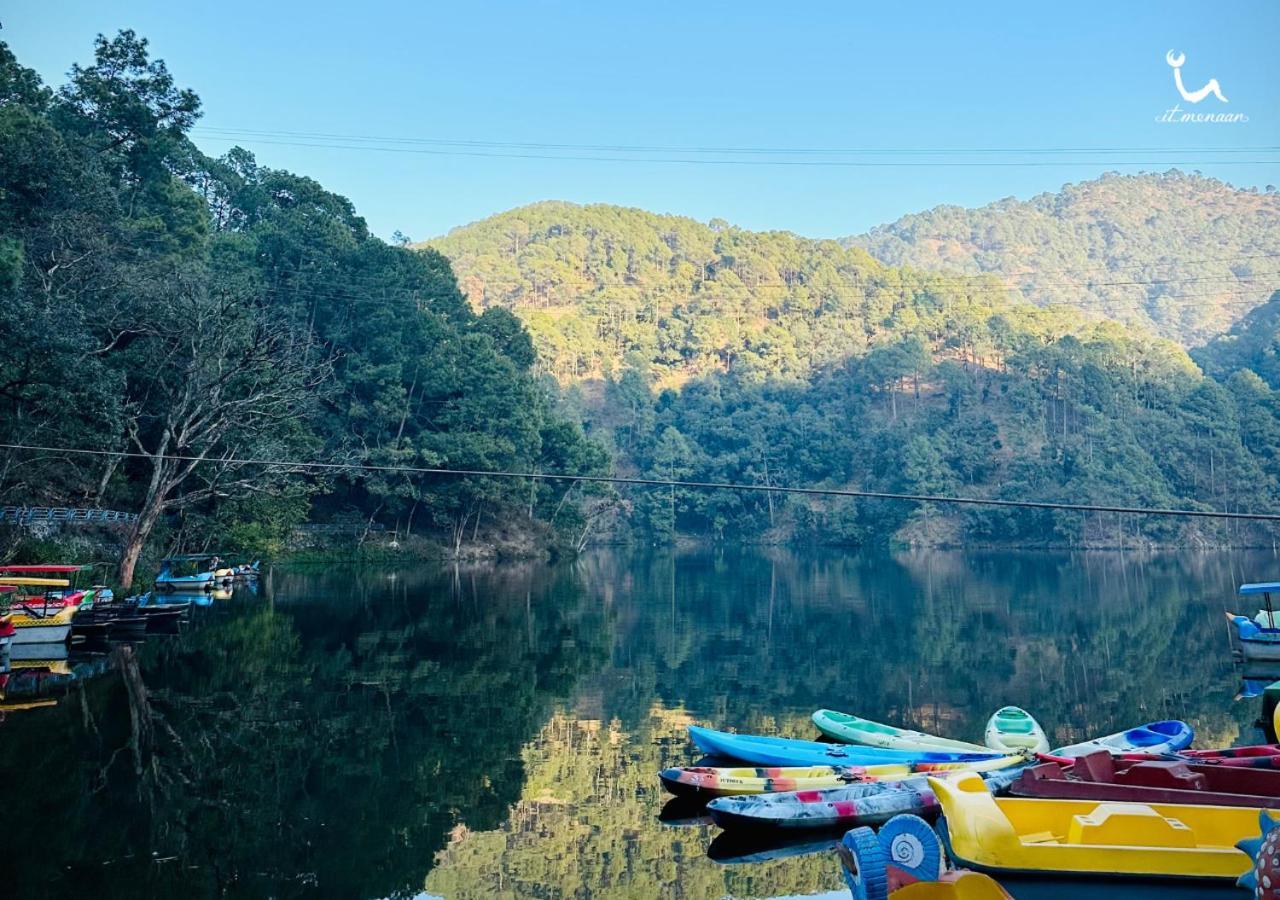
<point x="496" y="731"/>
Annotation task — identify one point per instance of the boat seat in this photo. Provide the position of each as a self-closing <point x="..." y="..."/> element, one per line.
<point x="1098" y="767"/>
<point x="1163" y="775"/>
<point x="1118" y="824"/>
<point x="1046" y="772"/>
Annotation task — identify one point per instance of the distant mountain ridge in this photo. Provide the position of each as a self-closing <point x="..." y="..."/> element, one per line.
<point x="1184" y="255"/>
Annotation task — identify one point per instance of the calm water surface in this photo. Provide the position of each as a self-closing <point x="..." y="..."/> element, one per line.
<point x="495" y="732"/>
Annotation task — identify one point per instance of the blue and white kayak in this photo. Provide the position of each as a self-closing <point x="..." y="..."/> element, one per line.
<point x="775" y="751"/>
<point x="1168" y="736"/>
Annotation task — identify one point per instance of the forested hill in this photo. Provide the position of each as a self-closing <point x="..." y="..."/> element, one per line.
<point x="713" y="353"/>
<point x="597" y="285"/>
<point x="1252" y="343"/>
<point x="1182" y="254"/>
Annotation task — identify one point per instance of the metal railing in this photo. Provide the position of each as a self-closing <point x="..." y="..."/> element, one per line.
<point x="26" y="515"/>
<point x="340" y="528"/>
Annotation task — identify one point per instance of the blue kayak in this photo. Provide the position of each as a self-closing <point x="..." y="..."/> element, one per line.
<point x="775" y="751"/>
<point x="1168" y="736"/>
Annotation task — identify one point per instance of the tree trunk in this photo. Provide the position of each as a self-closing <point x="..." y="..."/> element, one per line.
<point x="137" y="538"/>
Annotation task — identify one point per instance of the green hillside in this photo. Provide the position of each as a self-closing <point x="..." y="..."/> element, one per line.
<point x="1252" y="343"/>
<point x="1203" y="252"/>
<point x="709" y="352"/>
<point x="596" y="285"/>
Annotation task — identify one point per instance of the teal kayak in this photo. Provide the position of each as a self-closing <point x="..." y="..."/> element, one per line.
<point x="854" y="730"/>
<point x="774" y="751"/>
<point x="1013" y="730"/>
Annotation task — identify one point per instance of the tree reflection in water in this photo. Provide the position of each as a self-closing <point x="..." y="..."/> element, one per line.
<point x="496" y="732"/>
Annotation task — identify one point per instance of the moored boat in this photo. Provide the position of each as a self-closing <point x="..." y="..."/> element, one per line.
<point x="774" y="751"/>
<point x="1100" y="776"/>
<point x="714" y="781"/>
<point x="851" y="729"/>
<point x="37" y="625"/>
<point x="711" y="781"/>
<point x="1013" y="730"/>
<point x="1168" y="736"/>
<point x="1084" y="837"/>
<point x="841" y="807"/>
<point x="1259" y="637"/>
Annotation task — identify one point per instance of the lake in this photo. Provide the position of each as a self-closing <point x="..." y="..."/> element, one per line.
<point x="496" y="731"/>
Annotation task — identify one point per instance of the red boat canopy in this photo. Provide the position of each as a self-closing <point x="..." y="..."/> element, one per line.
<point x="7" y="588"/>
<point x="14" y="570"/>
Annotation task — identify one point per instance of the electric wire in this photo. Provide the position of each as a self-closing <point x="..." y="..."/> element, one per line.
<point x="297" y="465"/>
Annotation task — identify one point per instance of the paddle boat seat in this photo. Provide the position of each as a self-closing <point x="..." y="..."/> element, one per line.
<point x="1118" y="823"/>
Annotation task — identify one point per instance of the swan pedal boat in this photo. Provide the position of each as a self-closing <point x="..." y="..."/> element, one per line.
<point x="1088" y="838"/>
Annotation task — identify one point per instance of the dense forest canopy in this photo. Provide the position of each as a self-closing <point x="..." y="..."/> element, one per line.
<point x="708" y="352"/>
<point x="1253" y="343"/>
<point x="1183" y="255"/>
<point x="192" y="312"/>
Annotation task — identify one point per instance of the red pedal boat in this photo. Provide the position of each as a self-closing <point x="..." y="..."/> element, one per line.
<point x="1100" y="776"/>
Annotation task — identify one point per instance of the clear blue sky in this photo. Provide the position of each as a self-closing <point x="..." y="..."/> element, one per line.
<point x="841" y="75"/>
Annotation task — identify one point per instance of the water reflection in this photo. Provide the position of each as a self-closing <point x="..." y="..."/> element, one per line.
<point x="496" y="732"/>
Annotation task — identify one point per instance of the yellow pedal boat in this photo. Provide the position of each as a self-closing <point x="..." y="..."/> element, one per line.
<point x="1081" y="837"/>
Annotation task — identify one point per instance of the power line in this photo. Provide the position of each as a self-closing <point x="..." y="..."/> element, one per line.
<point x="640" y="148"/>
<point x="804" y="163"/>
<point x="660" y="482"/>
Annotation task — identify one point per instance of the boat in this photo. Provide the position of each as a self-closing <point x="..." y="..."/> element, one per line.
<point x="1169" y="736"/>
<point x="1100" y="776"/>
<point x="851" y="729"/>
<point x="40" y="625"/>
<point x="1085" y="837"/>
<point x="842" y="807"/>
<point x="1262" y="880"/>
<point x="906" y="861"/>
<point x="1012" y="730"/>
<point x="1247" y="752"/>
<point x="38" y="655"/>
<point x="711" y="781"/>
<point x="168" y="578"/>
<point x="1259" y="637"/>
<point x="775" y="751"/>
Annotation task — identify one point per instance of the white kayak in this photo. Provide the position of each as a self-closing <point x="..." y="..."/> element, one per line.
<point x="1013" y="730"/>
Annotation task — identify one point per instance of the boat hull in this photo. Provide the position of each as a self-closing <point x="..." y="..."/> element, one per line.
<point x="1260" y="651"/>
<point x="42" y="634"/>
<point x="1168" y="736"/>
<point x="1073" y="837"/>
<point x="1099" y="777"/>
<point x="707" y="781"/>
<point x="842" y="807"/>
<point x="855" y="730"/>
<point x="770" y="751"/>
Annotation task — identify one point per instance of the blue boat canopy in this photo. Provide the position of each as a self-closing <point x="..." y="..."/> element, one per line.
<point x="1262" y="587"/>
